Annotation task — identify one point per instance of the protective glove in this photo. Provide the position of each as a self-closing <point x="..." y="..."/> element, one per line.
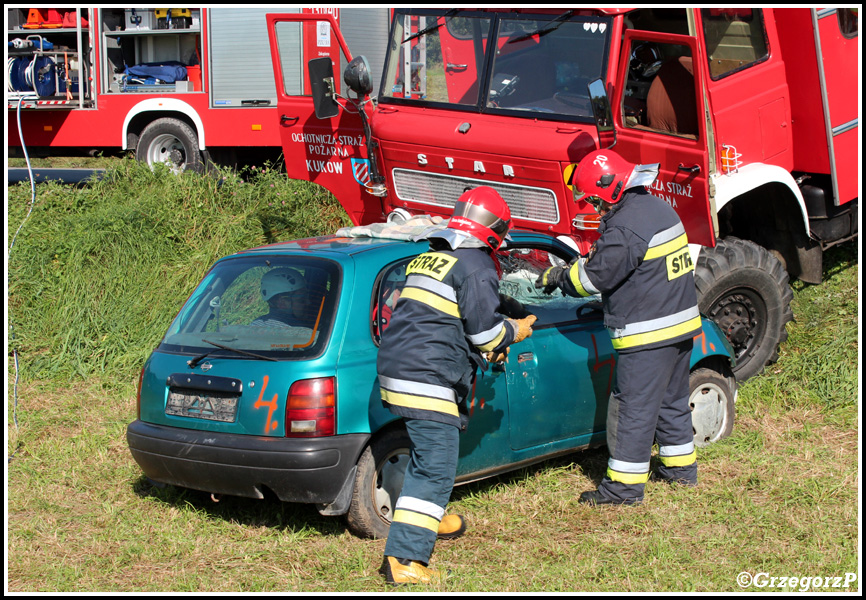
<point x="524" y="327"/>
<point x="548" y="280"/>
<point x="495" y="357"/>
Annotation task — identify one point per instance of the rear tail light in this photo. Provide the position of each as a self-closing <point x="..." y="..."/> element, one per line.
<point x="310" y="408"/>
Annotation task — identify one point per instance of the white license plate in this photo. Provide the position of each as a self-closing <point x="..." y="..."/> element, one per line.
<point x="211" y="406"/>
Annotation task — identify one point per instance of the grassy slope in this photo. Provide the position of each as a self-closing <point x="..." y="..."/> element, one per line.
<point x="97" y="274"/>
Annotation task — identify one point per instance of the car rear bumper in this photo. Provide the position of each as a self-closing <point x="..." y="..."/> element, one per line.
<point x="305" y="470"/>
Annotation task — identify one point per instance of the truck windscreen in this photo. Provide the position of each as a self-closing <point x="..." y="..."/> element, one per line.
<point x="523" y="64"/>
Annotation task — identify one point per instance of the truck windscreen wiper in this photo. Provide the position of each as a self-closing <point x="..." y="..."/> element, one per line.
<point x="434" y="26"/>
<point x="192" y="363"/>
<point x="552" y="26"/>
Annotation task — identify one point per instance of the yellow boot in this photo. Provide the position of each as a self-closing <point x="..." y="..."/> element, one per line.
<point x="451" y="527"/>
<point x="401" y="570"/>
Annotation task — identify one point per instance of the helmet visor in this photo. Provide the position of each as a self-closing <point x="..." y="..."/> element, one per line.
<point x="483" y="217"/>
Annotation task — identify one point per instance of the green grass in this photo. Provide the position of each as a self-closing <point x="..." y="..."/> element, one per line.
<point x="97" y="273"/>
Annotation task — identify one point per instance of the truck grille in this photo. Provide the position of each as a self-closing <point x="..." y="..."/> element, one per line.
<point x="529" y="203"/>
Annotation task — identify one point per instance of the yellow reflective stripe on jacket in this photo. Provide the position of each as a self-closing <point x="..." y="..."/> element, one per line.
<point x="419" y="402"/>
<point x="487" y="346"/>
<point x="659" y="335"/>
<point x="582" y="285"/>
<point x="431" y="299"/>
<point x="675" y="244"/>
<point x="416" y="519"/>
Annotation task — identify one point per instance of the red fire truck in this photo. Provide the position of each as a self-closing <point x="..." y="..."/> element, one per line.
<point x="180" y="85"/>
<point x="752" y="113"/>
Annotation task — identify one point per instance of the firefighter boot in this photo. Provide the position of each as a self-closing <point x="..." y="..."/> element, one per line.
<point x="595" y="498"/>
<point x="451" y="527"/>
<point x="400" y="570"/>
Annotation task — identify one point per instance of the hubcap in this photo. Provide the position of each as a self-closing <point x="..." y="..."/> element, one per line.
<point x="389" y="482"/>
<point x="709" y="413"/>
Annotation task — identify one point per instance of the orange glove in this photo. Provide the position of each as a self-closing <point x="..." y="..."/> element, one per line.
<point x="524" y="327"/>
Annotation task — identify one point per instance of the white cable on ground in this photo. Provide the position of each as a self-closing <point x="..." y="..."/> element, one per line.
<point x="8" y="254"/>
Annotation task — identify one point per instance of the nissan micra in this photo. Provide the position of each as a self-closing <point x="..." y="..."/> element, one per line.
<point x="266" y="379"/>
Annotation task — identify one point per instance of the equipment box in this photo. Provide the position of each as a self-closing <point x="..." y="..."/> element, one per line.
<point x="139" y="18"/>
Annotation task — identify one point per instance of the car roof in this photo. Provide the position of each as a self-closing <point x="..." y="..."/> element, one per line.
<point x="349" y="246"/>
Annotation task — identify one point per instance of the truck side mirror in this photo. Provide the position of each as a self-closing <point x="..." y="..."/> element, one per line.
<point x="602" y="114"/>
<point x="322" y="87"/>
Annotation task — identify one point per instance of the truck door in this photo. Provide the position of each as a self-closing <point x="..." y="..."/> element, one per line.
<point x="329" y="152"/>
<point x="659" y="115"/>
<point x="836" y="33"/>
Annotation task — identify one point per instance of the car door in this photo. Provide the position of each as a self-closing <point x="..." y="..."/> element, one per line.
<point x="330" y="152"/>
<point x="658" y="110"/>
<point x="559" y="379"/>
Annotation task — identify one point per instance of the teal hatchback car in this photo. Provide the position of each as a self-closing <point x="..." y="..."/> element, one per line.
<point x="242" y="395"/>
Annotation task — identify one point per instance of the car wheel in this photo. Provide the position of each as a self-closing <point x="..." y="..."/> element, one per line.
<point x="711" y="399"/>
<point x="172" y="143"/>
<point x="378" y="483"/>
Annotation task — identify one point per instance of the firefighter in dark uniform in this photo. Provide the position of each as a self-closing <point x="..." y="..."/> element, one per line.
<point x="642" y="267"/>
<point x="447" y="322"/>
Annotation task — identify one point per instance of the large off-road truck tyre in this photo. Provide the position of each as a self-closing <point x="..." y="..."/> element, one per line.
<point x="172" y="143"/>
<point x="744" y="289"/>
<point x="378" y="482"/>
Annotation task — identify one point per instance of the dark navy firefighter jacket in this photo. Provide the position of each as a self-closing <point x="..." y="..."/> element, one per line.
<point x="644" y="272"/>
<point x="447" y="315"/>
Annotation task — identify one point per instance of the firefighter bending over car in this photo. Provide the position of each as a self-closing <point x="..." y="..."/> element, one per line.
<point x="642" y="267"/>
<point x="448" y="322"/>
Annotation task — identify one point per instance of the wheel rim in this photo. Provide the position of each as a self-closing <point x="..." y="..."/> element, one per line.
<point x="709" y="404"/>
<point x="389" y="482"/>
<point x="168" y="150"/>
<point x="742" y="316"/>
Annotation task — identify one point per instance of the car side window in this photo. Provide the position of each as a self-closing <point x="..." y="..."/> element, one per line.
<point x="390" y="285"/>
<point x="521" y="267"/>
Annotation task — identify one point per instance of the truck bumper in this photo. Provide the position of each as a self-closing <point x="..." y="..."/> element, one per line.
<point x="304" y="470"/>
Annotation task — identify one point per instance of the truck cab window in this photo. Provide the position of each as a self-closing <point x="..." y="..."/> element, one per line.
<point x="660" y="89"/>
<point x="735" y="39"/>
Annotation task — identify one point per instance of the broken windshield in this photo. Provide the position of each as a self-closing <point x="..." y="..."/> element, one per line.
<point x="540" y="64"/>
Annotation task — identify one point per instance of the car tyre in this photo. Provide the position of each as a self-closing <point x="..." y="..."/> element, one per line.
<point x="378" y="482"/>
<point x="712" y="399"/>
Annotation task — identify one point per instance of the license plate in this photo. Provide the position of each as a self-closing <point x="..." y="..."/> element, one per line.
<point x="211" y="406"/>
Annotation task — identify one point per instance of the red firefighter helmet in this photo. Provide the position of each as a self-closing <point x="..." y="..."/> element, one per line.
<point x="482" y="213"/>
<point x="602" y="174"/>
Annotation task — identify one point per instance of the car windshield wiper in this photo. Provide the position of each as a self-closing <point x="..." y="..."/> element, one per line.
<point x="432" y="27"/>
<point x="192" y="363"/>
<point x="552" y="26"/>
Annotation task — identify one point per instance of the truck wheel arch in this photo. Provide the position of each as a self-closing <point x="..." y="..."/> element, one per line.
<point x="751" y="178"/>
<point x="763" y="204"/>
<point x="154" y="108"/>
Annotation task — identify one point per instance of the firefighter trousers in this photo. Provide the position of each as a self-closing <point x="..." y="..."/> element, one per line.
<point x="650" y="401"/>
<point x="426" y="490"/>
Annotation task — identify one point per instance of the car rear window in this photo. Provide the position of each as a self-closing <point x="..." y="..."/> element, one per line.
<point x="277" y="307"/>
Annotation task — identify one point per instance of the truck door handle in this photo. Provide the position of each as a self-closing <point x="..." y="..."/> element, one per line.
<point x="284" y="120"/>
<point x="456" y="66"/>
<point x="692" y="169"/>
